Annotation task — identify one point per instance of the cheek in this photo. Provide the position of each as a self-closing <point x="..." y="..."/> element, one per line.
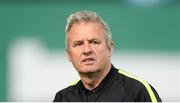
<point x="75" y="56"/>
<point x="102" y="54"/>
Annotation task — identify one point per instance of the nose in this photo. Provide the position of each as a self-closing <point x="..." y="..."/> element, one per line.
<point x="87" y="49"/>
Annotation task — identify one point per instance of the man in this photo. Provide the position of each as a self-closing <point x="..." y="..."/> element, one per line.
<point x="89" y="47"/>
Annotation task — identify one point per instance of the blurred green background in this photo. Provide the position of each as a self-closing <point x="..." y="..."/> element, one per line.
<point x="135" y="27"/>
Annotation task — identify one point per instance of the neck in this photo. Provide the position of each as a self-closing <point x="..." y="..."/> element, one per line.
<point x="92" y="80"/>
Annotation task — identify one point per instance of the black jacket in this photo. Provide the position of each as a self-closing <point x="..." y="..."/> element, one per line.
<point x="117" y="86"/>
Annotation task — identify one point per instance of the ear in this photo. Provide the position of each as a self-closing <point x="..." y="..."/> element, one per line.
<point x="110" y="49"/>
<point x="68" y="55"/>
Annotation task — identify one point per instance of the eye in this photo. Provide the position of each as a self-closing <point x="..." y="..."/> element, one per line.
<point x="77" y="44"/>
<point x="95" y="42"/>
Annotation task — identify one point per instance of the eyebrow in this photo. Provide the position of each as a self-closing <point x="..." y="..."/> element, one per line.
<point x="78" y="41"/>
<point x="89" y="40"/>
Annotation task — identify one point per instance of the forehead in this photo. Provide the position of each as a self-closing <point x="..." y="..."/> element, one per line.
<point x="86" y="29"/>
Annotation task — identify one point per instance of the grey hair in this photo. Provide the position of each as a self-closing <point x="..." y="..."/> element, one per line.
<point x="88" y="16"/>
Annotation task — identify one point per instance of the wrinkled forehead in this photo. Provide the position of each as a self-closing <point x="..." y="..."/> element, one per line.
<point x="98" y="32"/>
<point x="86" y="31"/>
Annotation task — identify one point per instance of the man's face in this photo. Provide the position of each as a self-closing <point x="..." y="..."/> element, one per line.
<point x="87" y="48"/>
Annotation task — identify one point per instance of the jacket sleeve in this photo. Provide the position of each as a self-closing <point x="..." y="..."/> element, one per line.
<point x="58" y="97"/>
<point x="156" y="94"/>
<point x="144" y="96"/>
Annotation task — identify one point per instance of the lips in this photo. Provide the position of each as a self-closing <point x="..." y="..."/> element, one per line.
<point x="88" y="60"/>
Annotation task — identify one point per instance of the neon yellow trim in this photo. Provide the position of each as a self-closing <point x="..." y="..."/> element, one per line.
<point x="74" y="82"/>
<point x="152" y="96"/>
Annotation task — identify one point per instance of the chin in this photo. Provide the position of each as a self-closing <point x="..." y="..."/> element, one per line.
<point x="88" y="69"/>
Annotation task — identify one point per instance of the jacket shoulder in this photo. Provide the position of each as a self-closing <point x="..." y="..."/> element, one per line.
<point x="63" y="93"/>
<point x="143" y="90"/>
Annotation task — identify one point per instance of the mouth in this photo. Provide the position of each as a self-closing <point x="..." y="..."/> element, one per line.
<point x="88" y="60"/>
